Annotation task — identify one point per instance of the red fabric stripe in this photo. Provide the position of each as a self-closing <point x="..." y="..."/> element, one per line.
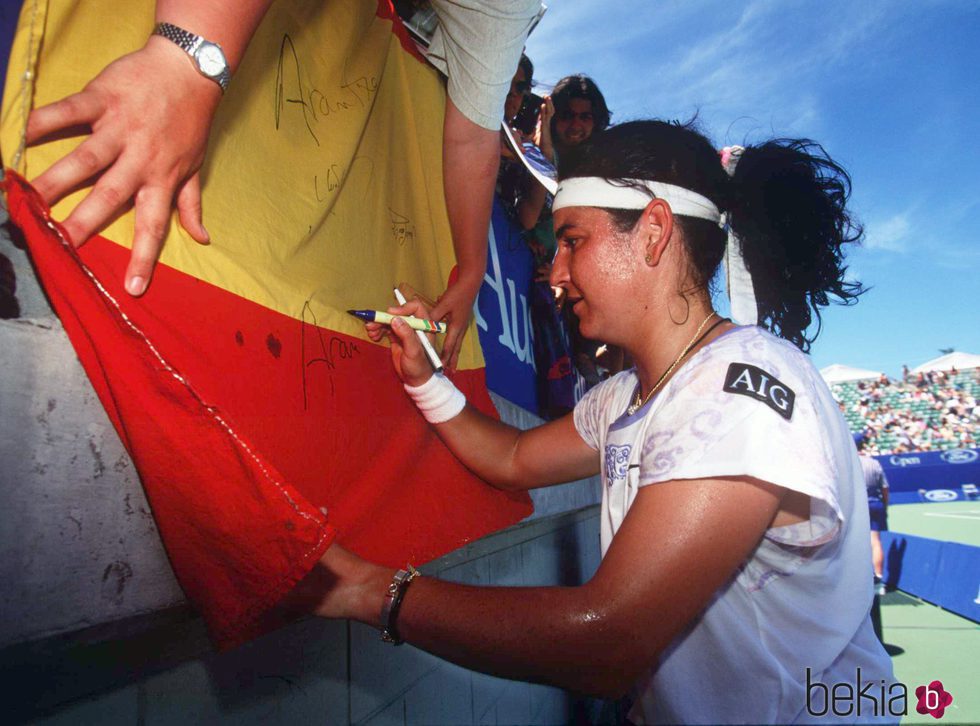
<point x="387" y="10"/>
<point x="271" y="418"/>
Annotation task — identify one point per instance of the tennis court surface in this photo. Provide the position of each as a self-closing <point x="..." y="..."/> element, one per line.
<point x="948" y="521"/>
<point x="928" y="643"/>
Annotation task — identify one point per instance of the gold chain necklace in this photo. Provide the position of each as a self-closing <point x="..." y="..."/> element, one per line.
<point x="638" y="402"/>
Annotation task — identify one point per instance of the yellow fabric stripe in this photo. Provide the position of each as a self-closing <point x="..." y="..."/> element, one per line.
<point x="323" y="181"/>
<point x="19" y="84"/>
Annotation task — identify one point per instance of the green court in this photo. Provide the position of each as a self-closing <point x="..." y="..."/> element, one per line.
<point x="928" y="643"/>
<point x="949" y="521"/>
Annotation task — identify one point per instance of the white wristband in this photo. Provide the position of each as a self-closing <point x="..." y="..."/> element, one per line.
<point x="438" y="399"/>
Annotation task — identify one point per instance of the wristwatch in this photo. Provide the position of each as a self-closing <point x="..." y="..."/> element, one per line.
<point x="207" y="56"/>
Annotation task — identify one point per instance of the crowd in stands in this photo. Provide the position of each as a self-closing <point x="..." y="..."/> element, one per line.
<point x="557" y="124"/>
<point x="931" y="411"/>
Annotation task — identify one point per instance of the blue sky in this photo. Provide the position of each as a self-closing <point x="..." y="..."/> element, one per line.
<point x="891" y="89"/>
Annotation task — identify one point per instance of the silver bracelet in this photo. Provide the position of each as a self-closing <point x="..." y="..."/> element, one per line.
<point x="393" y="600"/>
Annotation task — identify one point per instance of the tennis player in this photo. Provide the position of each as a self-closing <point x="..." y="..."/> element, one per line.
<point x="734" y="521"/>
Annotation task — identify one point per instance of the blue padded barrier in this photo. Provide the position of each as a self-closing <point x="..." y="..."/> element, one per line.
<point x="958" y="580"/>
<point x="943" y="573"/>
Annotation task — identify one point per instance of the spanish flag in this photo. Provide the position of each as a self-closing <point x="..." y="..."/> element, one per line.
<point x="245" y="395"/>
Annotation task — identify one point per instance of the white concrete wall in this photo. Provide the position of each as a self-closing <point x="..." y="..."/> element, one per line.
<point x="79" y="543"/>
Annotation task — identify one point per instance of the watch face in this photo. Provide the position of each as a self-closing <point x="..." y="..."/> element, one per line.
<point x="211" y="60"/>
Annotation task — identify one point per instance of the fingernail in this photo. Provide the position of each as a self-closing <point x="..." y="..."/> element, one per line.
<point x="136" y="285"/>
<point x="207" y="237"/>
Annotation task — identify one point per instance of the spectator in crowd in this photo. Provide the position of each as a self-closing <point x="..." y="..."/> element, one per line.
<point x="575" y="110"/>
<point x="578" y="110"/>
<point x="515" y="186"/>
<point x="520" y="88"/>
<point x="569" y="116"/>
<point x="523" y="198"/>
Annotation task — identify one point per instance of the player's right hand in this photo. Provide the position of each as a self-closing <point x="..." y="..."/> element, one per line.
<point x="410" y="361"/>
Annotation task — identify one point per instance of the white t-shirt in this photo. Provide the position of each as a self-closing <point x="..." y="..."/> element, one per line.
<point x="750" y="404"/>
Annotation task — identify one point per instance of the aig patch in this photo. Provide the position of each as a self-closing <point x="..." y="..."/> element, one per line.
<point x="753" y="382"/>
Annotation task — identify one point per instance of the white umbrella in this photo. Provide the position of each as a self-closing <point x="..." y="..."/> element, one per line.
<point x="840" y="373"/>
<point x="956" y="359"/>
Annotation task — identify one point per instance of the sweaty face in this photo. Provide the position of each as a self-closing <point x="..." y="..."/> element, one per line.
<point x="574" y="124"/>
<point x="596" y="264"/>
<point x="519" y="87"/>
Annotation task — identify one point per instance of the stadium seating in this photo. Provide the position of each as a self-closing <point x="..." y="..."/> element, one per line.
<point x="938" y="412"/>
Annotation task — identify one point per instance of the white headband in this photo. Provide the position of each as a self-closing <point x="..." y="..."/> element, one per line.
<point x="594" y="191"/>
<point x="741" y="290"/>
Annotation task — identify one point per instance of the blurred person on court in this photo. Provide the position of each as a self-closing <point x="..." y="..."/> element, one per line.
<point x="877" y="488"/>
<point x="876" y="485"/>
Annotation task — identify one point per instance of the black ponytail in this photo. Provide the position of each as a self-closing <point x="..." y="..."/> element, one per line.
<point x="788" y="206"/>
<point x="786" y="202"/>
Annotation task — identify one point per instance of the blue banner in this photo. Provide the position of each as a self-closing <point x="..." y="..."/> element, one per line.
<point x="937" y="476"/>
<point x="944" y="573"/>
<point x="503" y="314"/>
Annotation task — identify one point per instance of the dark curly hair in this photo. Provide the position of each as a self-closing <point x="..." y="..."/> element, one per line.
<point x="786" y="204"/>
<point x="580" y="86"/>
<point x="528" y="67"/>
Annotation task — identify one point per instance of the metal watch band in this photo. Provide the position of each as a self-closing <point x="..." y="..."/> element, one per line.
<point x="393" y="599"/>
<point x="183" y="38"/>
<point x="189" y="43"/>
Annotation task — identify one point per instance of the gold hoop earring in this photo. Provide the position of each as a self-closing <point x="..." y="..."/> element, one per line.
<point x="687" y="311"/>
<point x="648" y="259"/>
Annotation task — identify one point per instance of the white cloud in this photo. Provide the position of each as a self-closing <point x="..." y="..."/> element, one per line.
<point x="759" y="63"/>
<point x="890" y="235"/>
